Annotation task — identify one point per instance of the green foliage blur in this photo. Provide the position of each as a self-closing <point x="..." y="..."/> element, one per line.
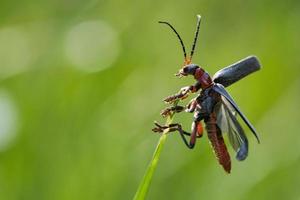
<point x="81" y="83"/>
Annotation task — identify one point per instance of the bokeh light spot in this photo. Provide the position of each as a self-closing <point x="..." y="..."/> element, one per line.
<point x="8" y="120"/>
<point x="92" y="46"/>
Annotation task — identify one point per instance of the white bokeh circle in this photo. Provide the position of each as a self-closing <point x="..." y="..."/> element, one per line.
<point x="92" y="46"/>
<point x="8" y="120"/>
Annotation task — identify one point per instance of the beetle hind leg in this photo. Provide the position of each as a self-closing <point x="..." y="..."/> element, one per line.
<point x="177" y="127"/>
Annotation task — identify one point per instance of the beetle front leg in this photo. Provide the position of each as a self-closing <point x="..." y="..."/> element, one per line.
<point x="173" y="109"/>
<point x="190" y="107"/>
<point x="182" y="94"/>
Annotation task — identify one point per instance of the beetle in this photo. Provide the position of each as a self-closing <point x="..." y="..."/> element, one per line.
<point x="213" y="105"/>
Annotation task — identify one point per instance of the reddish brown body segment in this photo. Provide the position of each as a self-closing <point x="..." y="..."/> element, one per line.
<point x="203" y="78"/>
<point x="217" y="142"/>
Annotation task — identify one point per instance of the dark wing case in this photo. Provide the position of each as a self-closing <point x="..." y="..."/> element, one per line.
<point x="236" y="71"/>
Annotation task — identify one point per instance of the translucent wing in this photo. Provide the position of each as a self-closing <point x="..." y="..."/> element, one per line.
<point x="230" y="102"/>
<point x="226" y="120"/>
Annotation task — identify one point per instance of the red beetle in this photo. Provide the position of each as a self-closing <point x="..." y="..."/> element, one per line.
<point x="213" y="105"/>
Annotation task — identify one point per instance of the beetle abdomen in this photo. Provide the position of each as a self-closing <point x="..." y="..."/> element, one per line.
<point x="217" y="142"/>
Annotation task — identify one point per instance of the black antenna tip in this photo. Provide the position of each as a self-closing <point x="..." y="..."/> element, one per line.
<point x="162" y="22"/>
<point x="196" y="36"/>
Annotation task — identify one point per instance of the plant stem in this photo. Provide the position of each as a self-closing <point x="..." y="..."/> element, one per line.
<point x="143" y="188"/>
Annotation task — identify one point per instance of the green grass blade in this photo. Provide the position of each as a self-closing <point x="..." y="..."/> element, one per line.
<point x="146" y="181"/>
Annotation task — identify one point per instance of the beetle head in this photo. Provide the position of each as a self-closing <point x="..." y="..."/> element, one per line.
<point x="186" y="70"/>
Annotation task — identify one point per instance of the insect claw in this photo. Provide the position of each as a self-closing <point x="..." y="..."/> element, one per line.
<point x="165" y="112"/>
<point x="159" y="128"/>
<point x="170" y="99"/>
<point x="157" y="124"/>
<point x="155" y="130"/>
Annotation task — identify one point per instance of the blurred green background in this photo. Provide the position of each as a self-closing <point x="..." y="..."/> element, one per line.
<point x="81" y="83"/>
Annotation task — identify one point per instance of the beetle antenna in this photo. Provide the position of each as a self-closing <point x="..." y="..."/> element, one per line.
<point x="181" y="42"/>
<point x="196" y="36"/>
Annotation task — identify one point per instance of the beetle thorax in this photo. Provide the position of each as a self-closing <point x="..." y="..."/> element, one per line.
<point x="203" y="78"/>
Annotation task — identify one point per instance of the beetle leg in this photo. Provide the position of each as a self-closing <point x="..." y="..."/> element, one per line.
<point x="191" y="106"/>
<point x="196" y="133"/>
<point x="159" y="128"/>
<point x="177" y="127"/>
<point x="168" y="111"/>
<point x="190" y="144"/>
<point x="172" y="127"/>
<point x="182" y="94"/>
<point x="199" y="129"/>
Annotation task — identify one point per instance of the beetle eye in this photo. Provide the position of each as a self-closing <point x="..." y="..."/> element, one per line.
<point x="185" y="70"/>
